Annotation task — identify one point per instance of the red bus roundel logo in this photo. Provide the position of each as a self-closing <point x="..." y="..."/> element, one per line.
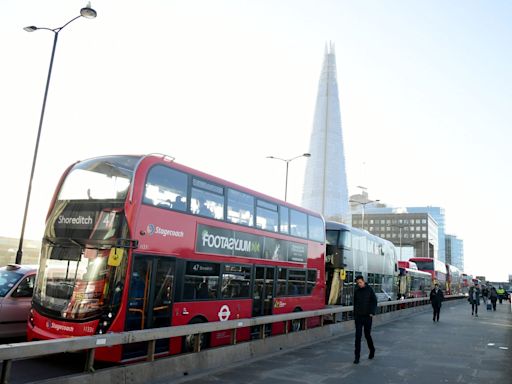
<point x="224" y="313"/>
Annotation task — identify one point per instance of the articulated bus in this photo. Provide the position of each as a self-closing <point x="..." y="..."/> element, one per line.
<point x="454" y="280"/>
<point x="413" y="283"/>
<point x="435" y="267"/>
<point x="138" y="242"/>
<point x="351" y="252"/>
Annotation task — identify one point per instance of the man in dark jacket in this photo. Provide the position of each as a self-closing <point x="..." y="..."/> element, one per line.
<point x="474" y="299"/>
<point x="436" y="298"/>
<point x="365" y="306"/>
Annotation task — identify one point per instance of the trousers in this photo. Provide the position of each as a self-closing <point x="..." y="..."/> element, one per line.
<point x="437" y="311"/>
<point x="363" y="323"/>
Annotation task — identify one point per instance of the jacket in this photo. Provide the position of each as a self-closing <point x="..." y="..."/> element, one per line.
<point x="470" y="298"/>
<point x="365" y="301"/>
<point x="436" y="298"/>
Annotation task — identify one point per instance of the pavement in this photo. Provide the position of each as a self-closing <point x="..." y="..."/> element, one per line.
<point x="460" y="348"/>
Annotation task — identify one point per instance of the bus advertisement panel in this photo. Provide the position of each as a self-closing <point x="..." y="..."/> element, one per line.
<point x="138" y="242"/>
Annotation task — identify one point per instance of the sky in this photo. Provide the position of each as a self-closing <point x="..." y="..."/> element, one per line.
<point x="425" y="97"/>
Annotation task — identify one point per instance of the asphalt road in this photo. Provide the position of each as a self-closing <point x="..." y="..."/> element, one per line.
<point x="458" y="349"/>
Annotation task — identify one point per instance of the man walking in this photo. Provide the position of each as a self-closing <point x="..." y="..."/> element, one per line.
<point x="436" y="298"/>
<point x="484" y="293"/>
<point x="501" y="294"/>
<point x="365" y="306"/>
<point x="494" y="297"/>
<point x="474" y="299"/>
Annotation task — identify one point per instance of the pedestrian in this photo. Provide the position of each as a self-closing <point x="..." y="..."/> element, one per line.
<point x="365" y="307"/>
<point x="484" y="293"/>
<point x="436" y="298"/>
<point x="474" y="299"/>
<point x="501" y="293"/>
<point x="494" y="297"/>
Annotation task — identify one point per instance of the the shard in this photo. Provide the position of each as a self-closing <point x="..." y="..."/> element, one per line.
<point x="325" y="180"/>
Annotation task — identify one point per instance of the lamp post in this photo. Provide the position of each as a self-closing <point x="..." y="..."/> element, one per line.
<point x="399" y="236"/>
<point x="427" y="241"/>
<point x="88" y="13"/>
<point x="287" y="161"/>
<point x="363" y="205"/>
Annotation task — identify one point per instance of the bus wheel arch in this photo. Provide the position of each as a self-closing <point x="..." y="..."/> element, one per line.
<point x="190" y="340"/>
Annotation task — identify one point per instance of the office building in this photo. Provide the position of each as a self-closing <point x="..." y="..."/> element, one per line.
<point x="454" y="251"/>
<point x="416" y="234"/>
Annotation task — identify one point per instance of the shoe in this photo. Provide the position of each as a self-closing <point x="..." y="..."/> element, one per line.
<point x="472" y="314"/>
<point x="372" y="354"/>
<point x="476" y="315"/>
<point x="356" y="360"/>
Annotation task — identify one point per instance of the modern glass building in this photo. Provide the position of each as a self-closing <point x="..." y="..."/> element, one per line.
<point x="454" y="249"/>
<point x="325" y="180"/>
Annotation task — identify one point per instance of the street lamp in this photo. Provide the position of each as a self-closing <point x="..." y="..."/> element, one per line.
<point x="88" y="13"/>
<point x="428" y="246"/>
<point x="287" y="161"/>
<point x="400" y="236"/>
<point x="363" y="204"/>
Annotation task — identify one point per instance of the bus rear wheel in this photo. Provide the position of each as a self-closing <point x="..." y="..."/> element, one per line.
<point x="189" y="341"/>
<point x="297" y="323"/>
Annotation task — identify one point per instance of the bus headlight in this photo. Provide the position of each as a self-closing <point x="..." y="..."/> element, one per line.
<point x="31" y="317"/>
<point x="104" y="323"/>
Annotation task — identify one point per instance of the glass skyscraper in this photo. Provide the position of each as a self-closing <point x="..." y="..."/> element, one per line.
<point x="455" y="251"/>
<point x="325" y="180"/>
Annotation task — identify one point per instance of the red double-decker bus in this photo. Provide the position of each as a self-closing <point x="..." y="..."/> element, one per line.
<point x="412" y="283"/>
<point x="435" y="267"/>
<point x="138" y="242"/>
<point x="454" y="280"/>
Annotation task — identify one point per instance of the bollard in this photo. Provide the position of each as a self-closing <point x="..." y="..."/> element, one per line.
<point x="197" y="342"/>
<point x="6" y="371"/>
<point x="151" y="350"/>
<point x="89" y="360"/>
<point x="262" y="331"/>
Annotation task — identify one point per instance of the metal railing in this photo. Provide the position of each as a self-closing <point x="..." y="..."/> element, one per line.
<point x="26" y="350"/>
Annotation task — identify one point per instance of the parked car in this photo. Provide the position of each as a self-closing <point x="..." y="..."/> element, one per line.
<point x="16" y="288"/>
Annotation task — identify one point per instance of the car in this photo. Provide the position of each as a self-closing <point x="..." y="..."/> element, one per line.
<point x="16" y="288"/>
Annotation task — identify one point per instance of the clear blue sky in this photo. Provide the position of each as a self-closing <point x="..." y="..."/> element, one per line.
<point x="425" y="90"/>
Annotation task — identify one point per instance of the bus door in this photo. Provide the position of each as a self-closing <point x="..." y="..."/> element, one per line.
<point x="263" y="295"/>
<point x="150" y="299"/>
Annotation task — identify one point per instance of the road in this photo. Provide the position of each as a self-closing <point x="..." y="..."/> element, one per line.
<point x="458" y="349"/>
